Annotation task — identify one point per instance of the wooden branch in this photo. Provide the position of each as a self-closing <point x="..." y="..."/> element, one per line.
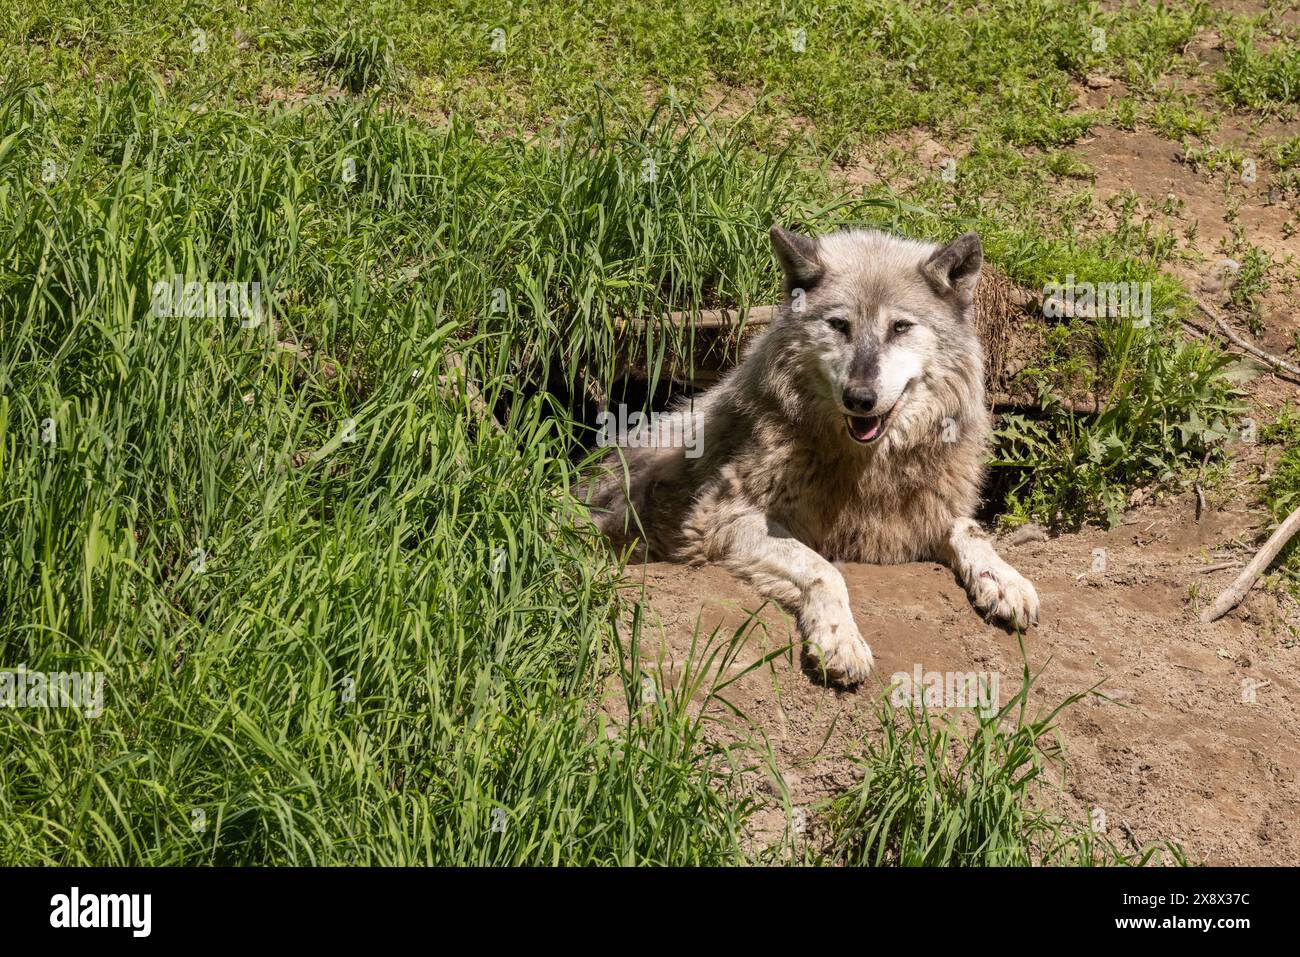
<point x="725" y="318"/>
<point x="1242" y="344"/>
<point x="1231" y="596"/>
<point x="1003" y="400"/>
<point x="1217" y="568"/>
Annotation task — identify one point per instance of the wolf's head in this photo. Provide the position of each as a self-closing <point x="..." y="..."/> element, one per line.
<point x="882" y="330"/>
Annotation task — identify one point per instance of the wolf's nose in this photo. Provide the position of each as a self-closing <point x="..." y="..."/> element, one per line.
<point x="859" y="399"/>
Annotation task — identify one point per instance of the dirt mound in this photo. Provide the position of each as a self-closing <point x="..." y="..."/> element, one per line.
<point x="1179" y="753"/>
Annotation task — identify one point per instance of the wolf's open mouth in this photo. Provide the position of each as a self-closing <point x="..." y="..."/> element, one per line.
<point x="865" y="428"/>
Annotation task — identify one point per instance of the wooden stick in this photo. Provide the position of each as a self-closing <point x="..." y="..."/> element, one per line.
<point x="1004" y="400"/>
<point x="1231" y="596"/>
<point x="726" y="318"/>
<point x="711" y="318"/>
<point x="1242" y="344"/>
<point x="1217" y="568"/>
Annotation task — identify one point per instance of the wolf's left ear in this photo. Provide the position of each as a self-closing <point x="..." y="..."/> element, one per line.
<point x="956" y="267"/>
<point x="798" y="257"/>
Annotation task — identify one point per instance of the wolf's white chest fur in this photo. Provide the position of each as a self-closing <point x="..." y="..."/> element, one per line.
<point x="863" y="508"/>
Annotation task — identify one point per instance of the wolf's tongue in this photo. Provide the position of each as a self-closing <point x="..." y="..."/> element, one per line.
<point x="864" y="428"/>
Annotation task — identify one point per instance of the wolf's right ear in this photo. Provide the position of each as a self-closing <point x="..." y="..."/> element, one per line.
<point x="798" y="257"/>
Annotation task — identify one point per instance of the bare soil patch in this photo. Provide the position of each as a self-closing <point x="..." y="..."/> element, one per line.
<point x="1154" y="169"/>
<point x="1176" y="754"/>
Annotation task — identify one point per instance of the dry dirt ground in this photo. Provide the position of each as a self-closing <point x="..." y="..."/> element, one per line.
<point x="1173" y="752"/>
<point x="1179" y="751"/>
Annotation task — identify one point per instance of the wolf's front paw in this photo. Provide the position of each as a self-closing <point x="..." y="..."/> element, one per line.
<point x="1005" y="594"/>
<point x="835" y="647"/>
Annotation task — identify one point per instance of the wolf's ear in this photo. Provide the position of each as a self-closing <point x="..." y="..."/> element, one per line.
<point x="956" y="267"/>
<point x="798" y="257"/>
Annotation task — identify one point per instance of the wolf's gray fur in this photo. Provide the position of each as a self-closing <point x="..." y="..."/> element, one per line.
<point x="854" y="428"/>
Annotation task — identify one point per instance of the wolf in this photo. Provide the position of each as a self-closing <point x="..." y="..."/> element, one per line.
<point x="854" y="428"/>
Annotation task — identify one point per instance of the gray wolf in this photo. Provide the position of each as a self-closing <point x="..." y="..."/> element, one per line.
<point x="853" y="429"/>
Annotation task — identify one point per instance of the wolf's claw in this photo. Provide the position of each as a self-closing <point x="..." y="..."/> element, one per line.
<point x="1006" y="595"/>
<point x="835" y="647"/>
<point x="846" y="663"/>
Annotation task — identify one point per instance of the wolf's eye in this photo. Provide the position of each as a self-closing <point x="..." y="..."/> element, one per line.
<point x="902" y="326"/>
<point x="839" y="325"/>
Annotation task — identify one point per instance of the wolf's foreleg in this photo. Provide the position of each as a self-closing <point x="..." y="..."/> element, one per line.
<point x="785" y="569"/>
<point x="995" y="588"/>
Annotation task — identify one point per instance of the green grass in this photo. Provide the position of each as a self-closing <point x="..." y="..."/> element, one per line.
<point x="867" y="67"/>
<point x="348" y="523"/>
<point x="1286" y="154"/>
<point x="1165" y="409"/>
<point x="960" y="789"/>
<point x="345" y="619"/>
<point x="1259" y="77"/>
<point x="354" y="59"/>
<point x="1251" y="283"/>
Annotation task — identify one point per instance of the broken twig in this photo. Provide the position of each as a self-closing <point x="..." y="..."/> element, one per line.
<point x="1240" y="343"/>
<point x="1231" y="596"/>
<point x="1217" y="568"/>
